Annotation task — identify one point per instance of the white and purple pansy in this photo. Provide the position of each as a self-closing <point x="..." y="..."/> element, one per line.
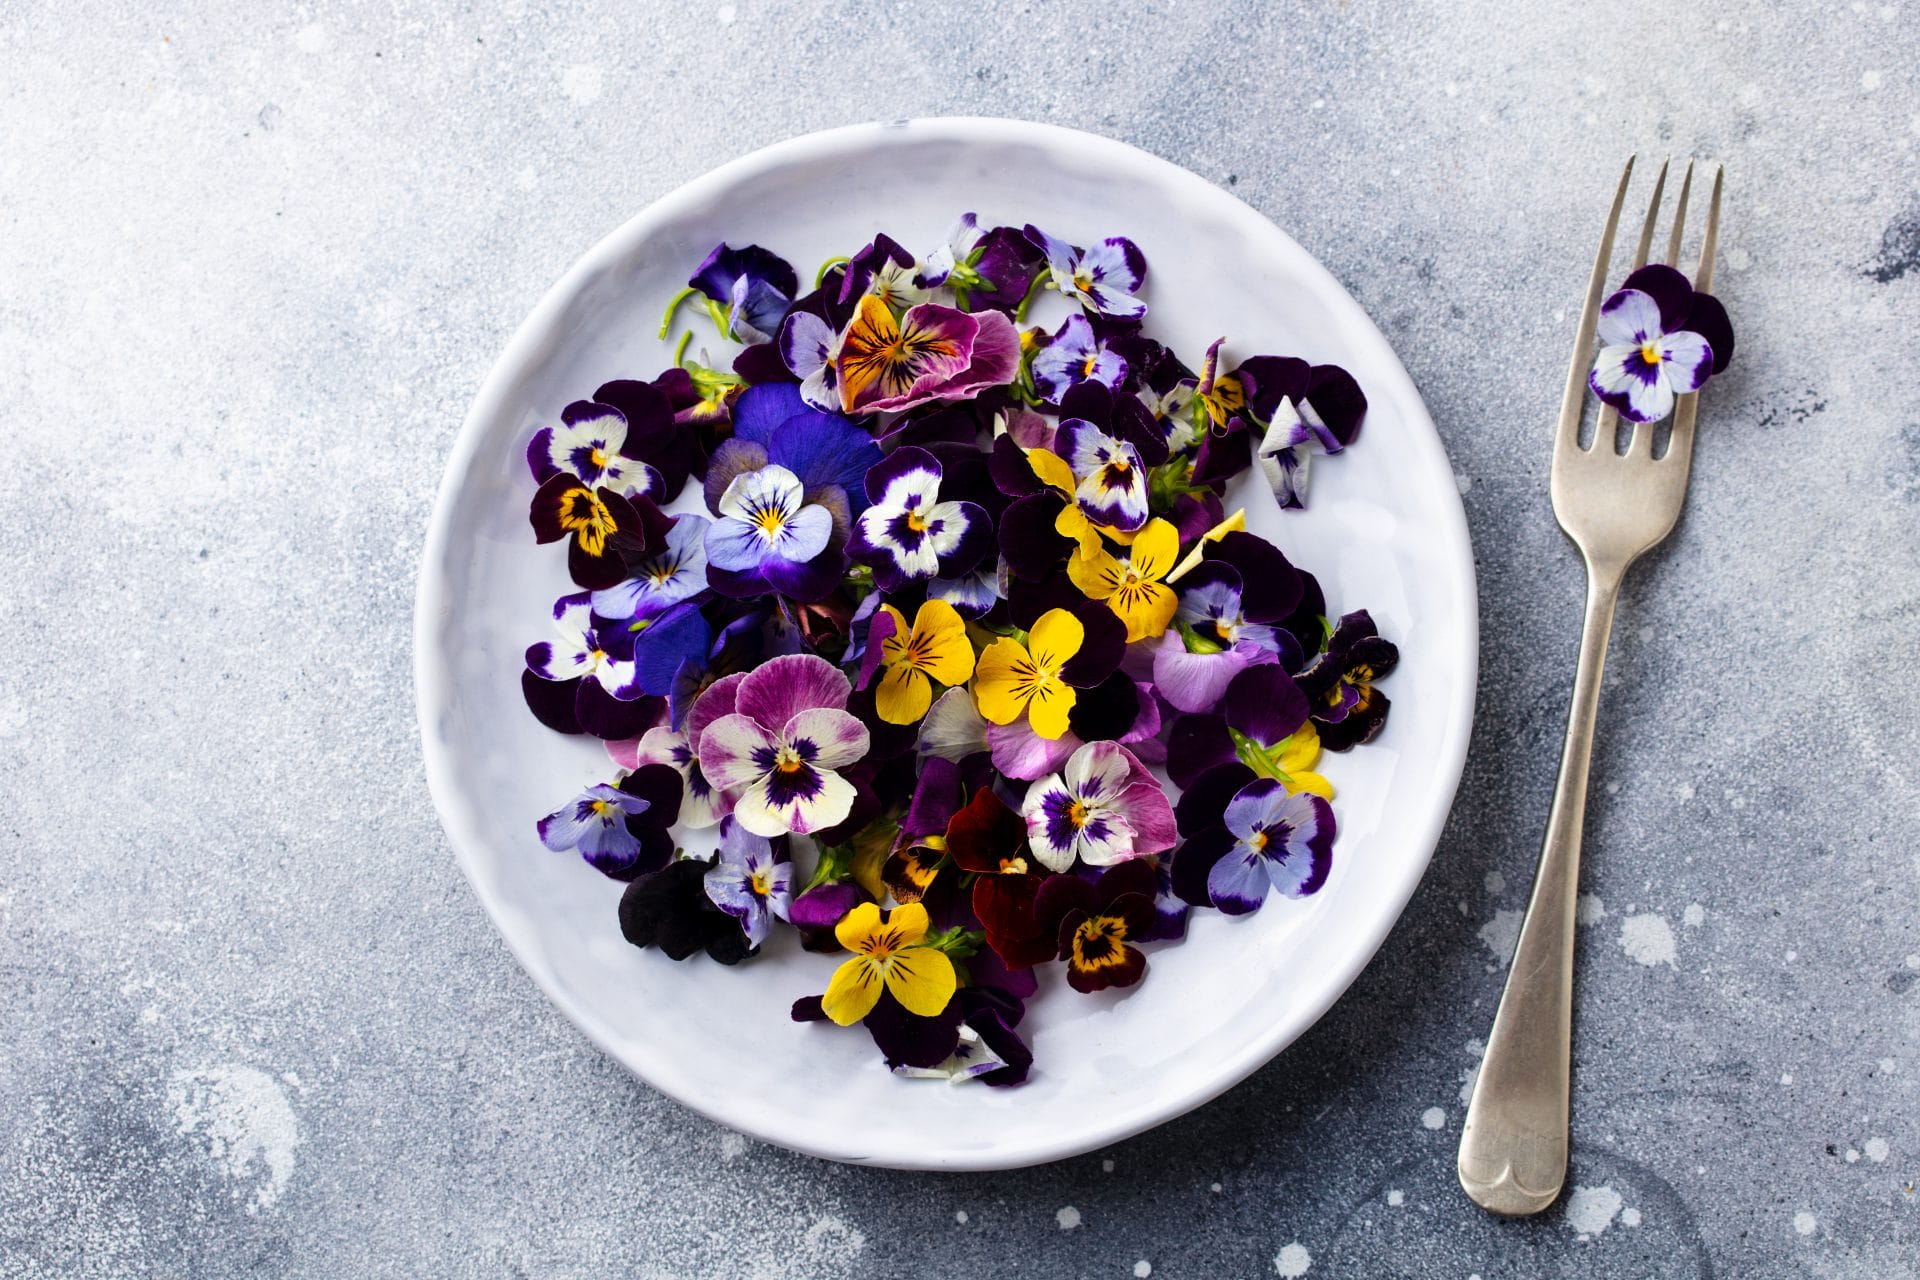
<point x="703" y="804"/>
<point x="676" y="572"/>
<point x="1111" y="483"/>
<point x="749" y="881"/>
<point x="809" y="346"/>
<point x="767" y="528"/>
<point x="1075" y="355"/>
<point x="908" y="532"/>
<point x="938" y="269"/>
<point x="594" y="823"/>
<point x="1103" y="807"/>
<point x="755" y="286"/>
<point x="780" y="749"/>
<point x="1648" y="354"/>
<point x="1279" y="841"/>
<point x="1102" y="278"/>
<point x="584" y="648"/>
<point x="587" y="445"/>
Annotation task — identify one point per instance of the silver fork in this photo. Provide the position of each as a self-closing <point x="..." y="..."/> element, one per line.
<point x="1513" y="1151"/>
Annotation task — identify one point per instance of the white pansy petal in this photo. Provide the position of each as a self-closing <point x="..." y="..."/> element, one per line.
<point x="806" y="534"/>
<point x="735" y="545"/>
<point x="734" y="750"/>
<point x="1622" y="378"/>
<point x="1629" y="317"/>
<point x="837" y="737"/>
<point x="1106" y="838"/>
<point x="953" y="728"/>
<point x="1686" y="359"/>
<point x="1098" y="772"/>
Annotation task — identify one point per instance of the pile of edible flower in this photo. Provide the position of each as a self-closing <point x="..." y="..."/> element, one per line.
<point x="951" y="598"/>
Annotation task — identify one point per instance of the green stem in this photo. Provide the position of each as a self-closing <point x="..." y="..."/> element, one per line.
<point x="680" y="352"/>
<point x="666" y="321"/>
<point x="825" y="267"/>
<point x="1033" y="291"/>
<point x="721" y="320"/>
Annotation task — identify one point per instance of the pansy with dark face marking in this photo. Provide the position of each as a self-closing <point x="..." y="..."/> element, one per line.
<point x="705" y="804"/>
<point x="594" y="823"/>
<point x="676" y="571"/>
<point x="1102" y="278"/>
<point x="1075" y="355"/>
<point x="908" y="532"/>
<point x="930" y="353"/>
<point x="768" y="531"/>
<point x="1267" y="838"/>
<point x="1099" y="922"/>
<point x="780" y="749"/>
<point x="1339" y="684"/>
<point x="1132" y="587"/>
<point x="1660" y="338"/>
<point x="586" y="649"/>
<point x="602" y="528"/>
<point x="587" y="445"/>
<point x="1110" y="484"/>
<point x="1104" y="807"/>
<point x="749" y="881"/>
<point x="891" y="956"/>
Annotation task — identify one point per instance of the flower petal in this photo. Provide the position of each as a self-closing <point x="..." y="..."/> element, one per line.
<point x="735" y="751"/>
<point x="781" y="688"/>
<point x="837" y="738"/>
<point x="1629" y="318"/>
<point x="855" y="986"/>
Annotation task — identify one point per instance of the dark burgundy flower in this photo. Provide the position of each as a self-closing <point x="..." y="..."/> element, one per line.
<point x="1096" y="921"/>
<point x="604" y="528"/>
<point x="654" y="436"/>
<point x="670" y="910"/>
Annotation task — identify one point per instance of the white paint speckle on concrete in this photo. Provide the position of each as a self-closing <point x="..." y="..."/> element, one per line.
<point x="1804" y="1223"/>
<point x="582" y="84"/>
<point x="1694" y="916"/>
<point x="1495" y="883"/>
<point x="1648" y="939"/>
<point x="1588" y="909"/>
<point x="1877" y="1149"/>
<point x="1293" y="1261"/>
<point x="1433" y="1118"/>
<point x="1142" y="1269"/>
<point x="1068" y="1218"/>
<point x="960" y="1216"/>
<point x="1590" y="1210"/>
<point x="1396" y="1198"/>
<point x="240" y="1117"/>
<point x="1500" y="934"/>
<point x="1629" y="1217"/>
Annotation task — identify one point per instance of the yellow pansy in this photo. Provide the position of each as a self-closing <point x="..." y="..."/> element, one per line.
<point x="1132" y="587"/>
<point x="934" y="648"/>
<point x="892" y="956"/>
<point x="1013" y="679"/>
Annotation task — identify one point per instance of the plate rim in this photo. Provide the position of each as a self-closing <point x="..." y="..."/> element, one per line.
<point x="433" y="684"/>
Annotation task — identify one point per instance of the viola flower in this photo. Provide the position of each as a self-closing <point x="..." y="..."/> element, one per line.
<point x="972" y="595"/>
<point x="768" y="529"/>
<point x="780" y="748"/>
<point x="1339" y="684"/>
<point x="676" y="571"/>
<point x="1098" y="923"/>
<point x="705" y="804"/>
<point x="1660" y="338"/>
<point x="755" y="285"/>
<point x="829" y="453"/>
<point x="972" y="1058"/>
<point x="934" y="649"/>
<point x="748" y="882"/>
<point x="885" y="260"/>
<point x="1075" y="355"/>
<point x="930" y="353"/>
<point x="1013" y="679"/>
<point x="945" y="266"/>
<point x="890" y="956"/>
<point x="586" y="651"/>
<point x="595" y="823"/>
<point x="1102" y="278"/>
<point x="1279" y="840"/>
<point x="953" y="727"/>
<point x="1110" y="482"/>
<point x="670" y="909"/>
<point x="1132" y="587"/>
<point x="604" y="528"/>
<point x="587" y="445"/>
<point x="908" y="532"/>
<point x="1104" y="807"/>
<point x="1309" y="410"/>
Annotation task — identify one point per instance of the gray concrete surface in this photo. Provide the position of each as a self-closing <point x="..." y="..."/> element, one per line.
<point x="253" y="264"/>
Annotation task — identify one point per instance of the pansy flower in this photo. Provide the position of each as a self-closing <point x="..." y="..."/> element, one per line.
<point x="705" y="804"/>
<point x="675" y="571"/>
<point x="1212" y="640"/>
<point x="1110" y="483"/>
<point x="656" y="435"/>
<point x="669" y="909"/>
<point x="908" y="532"/>
<point x="1339" y="684"/>
<point x="889" y="955"/>
<point x="755" y="285"/>
<point x="1309" y="409"/>
<point x="587" y="445"/>
<point x="884" y="260"/>
<point x="585" y="650"/>
<point x="938" y="271"/>
<point x="1132" y="587"/>
<point x="1073" y="356"/>
<point x="1012" y="679"/>
<point x="749" y="881"/>
<point x="1264" y="727"/>
<point x="603" y="527"/>
<point x="1099" y="922"/>
<point x="1102" y="278"/>
<point x="1660" y="338"/>
<point x="930" y="353"/>
<point x="935" y="649"/>
<point x="768" y="531"/>
<point x="781" y="747"/>
<point x="830" y="454"/>
<point x="594" y="823"/>
<point x="1267" y="837"/>
<point x="1104" y="807"/>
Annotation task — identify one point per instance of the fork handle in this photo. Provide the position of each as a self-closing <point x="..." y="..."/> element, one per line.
<point x="1513" y="1150"/>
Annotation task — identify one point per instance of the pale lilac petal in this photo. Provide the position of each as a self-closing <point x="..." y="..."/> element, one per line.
<point x="1687" y="360"/>
<point x="1259" y="804"/>
<point x="735" y="751"/>
<point x="1623" y="379"/>
<point x="954" y="729"/>
<point x="1238" y="882"/>
<point x="1629" y="318"/>
<point x="837" y="737"/>
<point x="1194" y="682"/>
<point x="1021" y="753"/>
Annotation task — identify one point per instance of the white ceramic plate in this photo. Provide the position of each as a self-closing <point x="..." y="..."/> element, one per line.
<point x="1384" y="531"/>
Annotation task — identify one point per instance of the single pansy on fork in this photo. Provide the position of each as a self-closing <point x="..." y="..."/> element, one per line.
<point x="1661" y="338"/>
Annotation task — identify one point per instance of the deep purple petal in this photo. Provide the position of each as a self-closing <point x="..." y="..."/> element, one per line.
<point x="1669" y="288"/>
<point x="1265" y="704"/>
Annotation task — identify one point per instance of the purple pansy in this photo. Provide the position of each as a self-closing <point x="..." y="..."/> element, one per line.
<point x="1104" y="807"/>
<point x="809" y="346"/>
<point x="755" y="285"/>
<point x="749" y="881"/>
<point x="1111" y="482"/>
<point x="1266" y="839"/>
<point x="587" y="445"/>
<point x="586" y="649"/>
<point x="1660" y="338"/>
<point x="830" y="455"/>
<point x="595" y="824"/>
<point x="1339" y="683"/>
<point x="780" y="749"/>
<point x="770" y="536"/>
<point x="1075" y="355"/>
<point x="1102" y="278"/>
<point x="676" y="571"/>
<point x="908" y="532"/>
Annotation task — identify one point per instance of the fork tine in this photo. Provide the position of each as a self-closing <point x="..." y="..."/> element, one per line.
<point x="1680" y="217"/>
<point x="1568" y="432"/>
<point x="1680" y="446"/>
<point x="1607" y="425"/>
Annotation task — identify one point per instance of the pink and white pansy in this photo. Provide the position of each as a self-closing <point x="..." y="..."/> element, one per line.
<point x="780" y="749"/>
<point x="1104" y="807"/>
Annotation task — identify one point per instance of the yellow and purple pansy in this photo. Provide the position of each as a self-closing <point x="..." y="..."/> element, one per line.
<point x="1014" y="680"/>
<point x="890" y="956"/>
<point x="1102" y="278"/>
<point x="912" y="659"/>
<point x="887" y="363"/>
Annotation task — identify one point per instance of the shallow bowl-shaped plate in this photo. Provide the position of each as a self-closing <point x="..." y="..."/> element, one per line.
<point x="1384" y="531"/>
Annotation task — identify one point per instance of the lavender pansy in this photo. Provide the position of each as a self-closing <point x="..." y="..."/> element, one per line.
<point x="594" y="823"/>
<point x="749" y="881"/>
<point x="781" y="748"/>
<point x="768" y="535"/>
<point x="1267" y="839"/>
<point x="586" y="649"/>
<point x="755" y="286"/>
<point x="1102" y="278"/>
<point x="1075" y="355"/>
<point x="676" y="571"/>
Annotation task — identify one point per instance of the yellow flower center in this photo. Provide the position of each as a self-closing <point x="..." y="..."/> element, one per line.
<point x="1258" y="841"/>
<point x="881" y="943"/>
<point x="1086" y="370"/>
<point x="916" y="522"/>
<point x="1077" y="814"/>
<point x="1082" y="279"/>
<point x="601" y="808"/>
<point x="1650" y="352"/>
<point x="599" y="458"/>
<point x="1013" y="866"/>
<point x="760" y="882"/>
<point x="788" y="761"/>
<point x="770" y="520"/>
